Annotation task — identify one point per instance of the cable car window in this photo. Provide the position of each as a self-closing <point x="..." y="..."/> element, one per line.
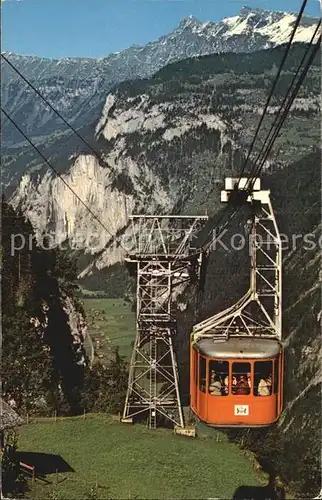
<point x="276" y="370"/>
<point x="202" y="374"/>
<point x="218" y="378"/>
<point x="241" y="379"/>
<point x="263" y="378"/>
<point x="195" y="357"/>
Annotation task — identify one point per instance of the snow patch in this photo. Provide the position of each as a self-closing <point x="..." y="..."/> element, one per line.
<point x="238" y="28"/>
<point x="277" y="29"/>
<point x="230" y="21"/>
<point x="110" y="100"/>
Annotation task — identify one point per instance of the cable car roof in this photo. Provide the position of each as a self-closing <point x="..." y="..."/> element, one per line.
<point x="239" y="347"/>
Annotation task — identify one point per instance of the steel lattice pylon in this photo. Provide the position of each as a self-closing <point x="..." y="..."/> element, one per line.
<point x="259" y="311"/>
<point x="164" y="259"/>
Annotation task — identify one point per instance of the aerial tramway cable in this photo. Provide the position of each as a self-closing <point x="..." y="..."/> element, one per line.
<point x="59" y="175"/>
<point x="276" y="126"/>
<point x="274" y="86"/>
<point x="95" y="153"/>
<point x="283" y="117"/>
<point x="278" y="121"/>
<point x="92" y="150"/>
<point x="275" y="122"/>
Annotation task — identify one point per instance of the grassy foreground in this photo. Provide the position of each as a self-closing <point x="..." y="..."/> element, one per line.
<point x="112" y="322"/>
<point x="130" y="462"/>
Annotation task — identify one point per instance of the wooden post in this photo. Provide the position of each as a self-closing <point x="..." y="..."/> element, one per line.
<point x="1" y="447"/>
<point x="27" y="418"/>
<point x="84" y="414"/>
<point x="33" y="483"/>
<point x="55" y="415"/>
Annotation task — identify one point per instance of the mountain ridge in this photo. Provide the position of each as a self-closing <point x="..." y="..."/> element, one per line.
<point x="190" y="21"/>
<point x="77" y="87"/>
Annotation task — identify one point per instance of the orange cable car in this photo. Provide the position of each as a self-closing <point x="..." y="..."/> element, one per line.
<point x="237" y="356"/>
<point x="238" y="382"/>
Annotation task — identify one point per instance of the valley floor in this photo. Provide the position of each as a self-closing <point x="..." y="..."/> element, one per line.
<point x="107" y="460"/>
<point x="110" y="322"/>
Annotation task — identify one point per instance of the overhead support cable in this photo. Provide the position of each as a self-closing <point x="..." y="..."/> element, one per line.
<point x="283" y="117"/>
<point x="95" y="153"/>
<point x="297" y="22"/>
<point x="278" y="123"/>
<point x="59" y="175"/>
<point x="287" y="94"/>
<point x="221" y="228"/>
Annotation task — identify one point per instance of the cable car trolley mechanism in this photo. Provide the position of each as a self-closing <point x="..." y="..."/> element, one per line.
<point x="236" y="356"/>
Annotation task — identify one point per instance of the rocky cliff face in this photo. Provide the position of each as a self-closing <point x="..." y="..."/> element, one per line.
<point x="75" y="322"/>
<point x="53" y="209"/>
<point x="302" y="318"/>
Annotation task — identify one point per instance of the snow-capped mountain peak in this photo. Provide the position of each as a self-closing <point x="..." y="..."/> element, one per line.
<point x="190" y="21"/>
<point x="78" y="87"/>
<point x="263" y="28"/>
<point x="276" y="27"/>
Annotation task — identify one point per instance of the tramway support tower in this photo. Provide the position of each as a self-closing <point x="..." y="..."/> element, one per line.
<point x="164" y="260"/>
<point x="259" y="311"/>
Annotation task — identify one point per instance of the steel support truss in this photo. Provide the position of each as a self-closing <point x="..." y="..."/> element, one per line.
<point x="163" y="258"/>
<point x="259" y="311"/>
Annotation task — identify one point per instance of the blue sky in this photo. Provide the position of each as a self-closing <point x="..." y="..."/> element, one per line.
<point x="94" y="28"/>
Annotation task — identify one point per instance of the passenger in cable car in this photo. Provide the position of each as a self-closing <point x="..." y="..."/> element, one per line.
<point x="269" y="383"/>
<point x="263" y="378"/>
<point x="234" y="384"/>
<point x="265" y="386"/>
<point x="249" y="380"/>
<point x="215" y="384"/>
<point x="226" y="383"/>
<point x="242" y="387"/>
